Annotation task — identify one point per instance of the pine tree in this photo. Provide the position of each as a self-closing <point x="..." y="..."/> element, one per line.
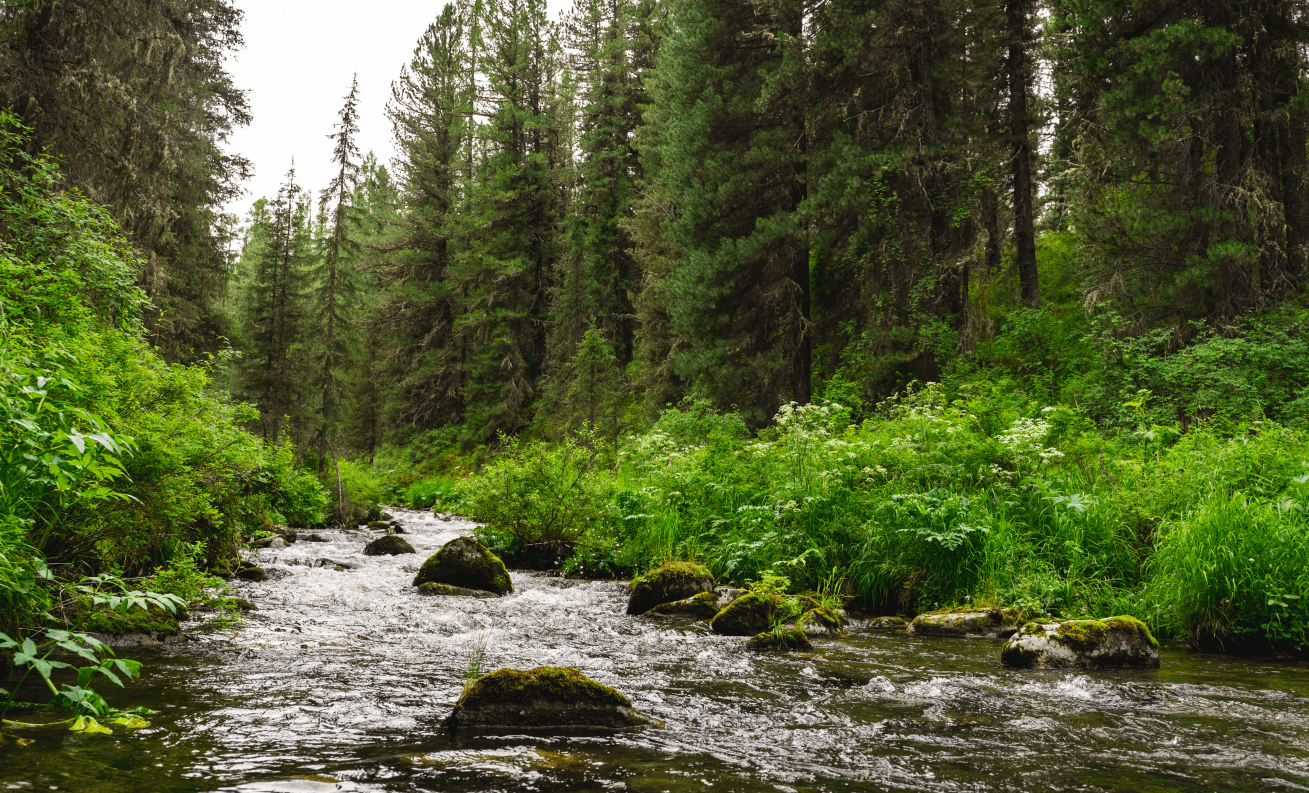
<point x="279" y="253"/>
<point x="134" y="98"/>
<point x="731" y="158"/>
<point x="598" y="273"/>
<point x="595" y="389"/>
<point x="431" y="109"/>
<point x="335" y="274"/>
<point x="503" y="271"/>
<point x="1184" y="154"/>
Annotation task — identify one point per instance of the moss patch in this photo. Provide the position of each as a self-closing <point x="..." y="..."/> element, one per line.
<point x="100" y="619"/>
<point x="1086" y="635"/>
<point x="791" y="639"/>
<point x="465" y="562"/>
<point x="702" y="606"/>
<point x="549" y="683"/>
<point x="672" y="582"/>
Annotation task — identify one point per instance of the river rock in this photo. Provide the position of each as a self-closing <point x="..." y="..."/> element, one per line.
<point x="386" y="516"/>
<point x="701" y="606"/>
<point x="791" y="639"/>
<point x="545" y="699"/>
<point x="747" y="615"/>
<point x="277" y="544"/>
<point x="377" y="525"/>
<point x="726" y="594"/>
<point x="465" y="562"/>
<point x="674" y="581"/>
<point x="886" y="624"/>
<point x="433" y="588"/>
<point x="753" y="613"/>
<point x="315" y="537"/>
<point x="252" y="573"/>
<point x="388" y="545"/>
<point x="967" y="623"/>
<point x="1110" y="643"/>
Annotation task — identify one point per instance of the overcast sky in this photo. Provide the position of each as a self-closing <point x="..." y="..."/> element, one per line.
<point x="297" y="63"/>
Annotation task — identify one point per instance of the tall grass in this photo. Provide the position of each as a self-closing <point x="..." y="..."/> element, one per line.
<point x="937" y="499"/>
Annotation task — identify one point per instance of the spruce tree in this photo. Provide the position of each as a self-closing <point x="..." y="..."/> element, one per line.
<point x="431" y="109"/>
<point x="334" y="276"/>
<point x="274" y="358"/>
<point x="731" y="159"/>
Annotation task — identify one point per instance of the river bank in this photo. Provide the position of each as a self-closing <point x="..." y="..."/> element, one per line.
<point x="340" y="680"/>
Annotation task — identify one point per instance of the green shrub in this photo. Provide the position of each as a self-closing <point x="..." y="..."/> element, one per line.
<point x="1233" y="572"/>
<point x="537" y="501"/>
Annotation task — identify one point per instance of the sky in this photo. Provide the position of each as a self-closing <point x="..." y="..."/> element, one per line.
<point x="297" y="64"/>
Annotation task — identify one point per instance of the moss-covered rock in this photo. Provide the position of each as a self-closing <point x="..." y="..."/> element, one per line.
<point x="465" y="562"/>
<point x="1110" y="643"/>
<point x="701" y="606"/>
<point x="754" y="613"/>
<point x="252" y="573"/>
<point x="388" y="545"/>
<point x="967" y="623"/>
<point x="156" y="622"/>
<point x="545" y="699"/>
<point x="433" y="588"/>
<point x="776" y="641"/>
<point x="748" y="615"/>
<point x="674" y="581"/>
<point x="887" y="624"/>
<point x="822" y="621"/>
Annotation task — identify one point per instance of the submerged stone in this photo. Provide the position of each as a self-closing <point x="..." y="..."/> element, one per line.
<point x="433" y="588"/>
<point x="702" y="606"/>
<point x="674" y="581"/>
<point x="388" y="545"/>
<point x="790" y="639"/>
<point x="465" y="562"/>
<point x="545" y="699"/>
<point x="887" y="624"/>
<point x="967" y="623"/>
<point x="1111" y="643"/>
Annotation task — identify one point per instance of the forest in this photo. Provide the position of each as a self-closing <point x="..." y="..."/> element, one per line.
<point x="922" y="303"/>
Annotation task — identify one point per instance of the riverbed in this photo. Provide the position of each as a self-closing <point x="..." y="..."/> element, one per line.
<point x="340" y="681"/>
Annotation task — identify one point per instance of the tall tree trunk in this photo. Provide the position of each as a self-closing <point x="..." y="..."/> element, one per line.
<point x="1024" y="213"/>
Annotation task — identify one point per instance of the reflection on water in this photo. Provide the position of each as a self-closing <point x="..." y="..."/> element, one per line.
<point x="340" y="681"/>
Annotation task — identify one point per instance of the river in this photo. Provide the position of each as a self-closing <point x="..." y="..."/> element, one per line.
<point x="341" y="679"/>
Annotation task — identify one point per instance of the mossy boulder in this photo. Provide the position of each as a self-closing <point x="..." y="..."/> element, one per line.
<point x="433" y="588"/>
<point x="887" y="624"/>
<point x="252" y="573"/>
<point x="154" y="621"/>
<point x="465" y="562"/>
<point x="820" y="620"/>
<point x="781" y="641"/>
<point x="967" y="623"/>
<point x="754" y="613"/>
<point x="1111" y="643"/>
<point x="388" y="545"/>
<point x="701" y="606"/>
<point x="674" y="581"/>
<point x="545" y="699"/>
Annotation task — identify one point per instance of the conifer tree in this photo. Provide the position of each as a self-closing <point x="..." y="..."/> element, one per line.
<point x="431" y="109"/>
<point x="597" y="269"/>
<point x="274" y="365"/>
<point x="732" y="160"/>
<point x="335" y="272"/>
<point x="503" y="272"/>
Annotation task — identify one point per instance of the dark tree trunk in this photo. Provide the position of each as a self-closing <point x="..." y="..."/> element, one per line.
<point x="1024" y="213"/>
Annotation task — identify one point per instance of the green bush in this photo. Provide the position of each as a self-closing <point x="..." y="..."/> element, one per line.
<point x="538" y="501"/>
<point x="1233" y="573"/>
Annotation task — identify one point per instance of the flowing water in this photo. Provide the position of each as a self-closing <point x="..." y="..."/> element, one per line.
<point x="341" y="679"/>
